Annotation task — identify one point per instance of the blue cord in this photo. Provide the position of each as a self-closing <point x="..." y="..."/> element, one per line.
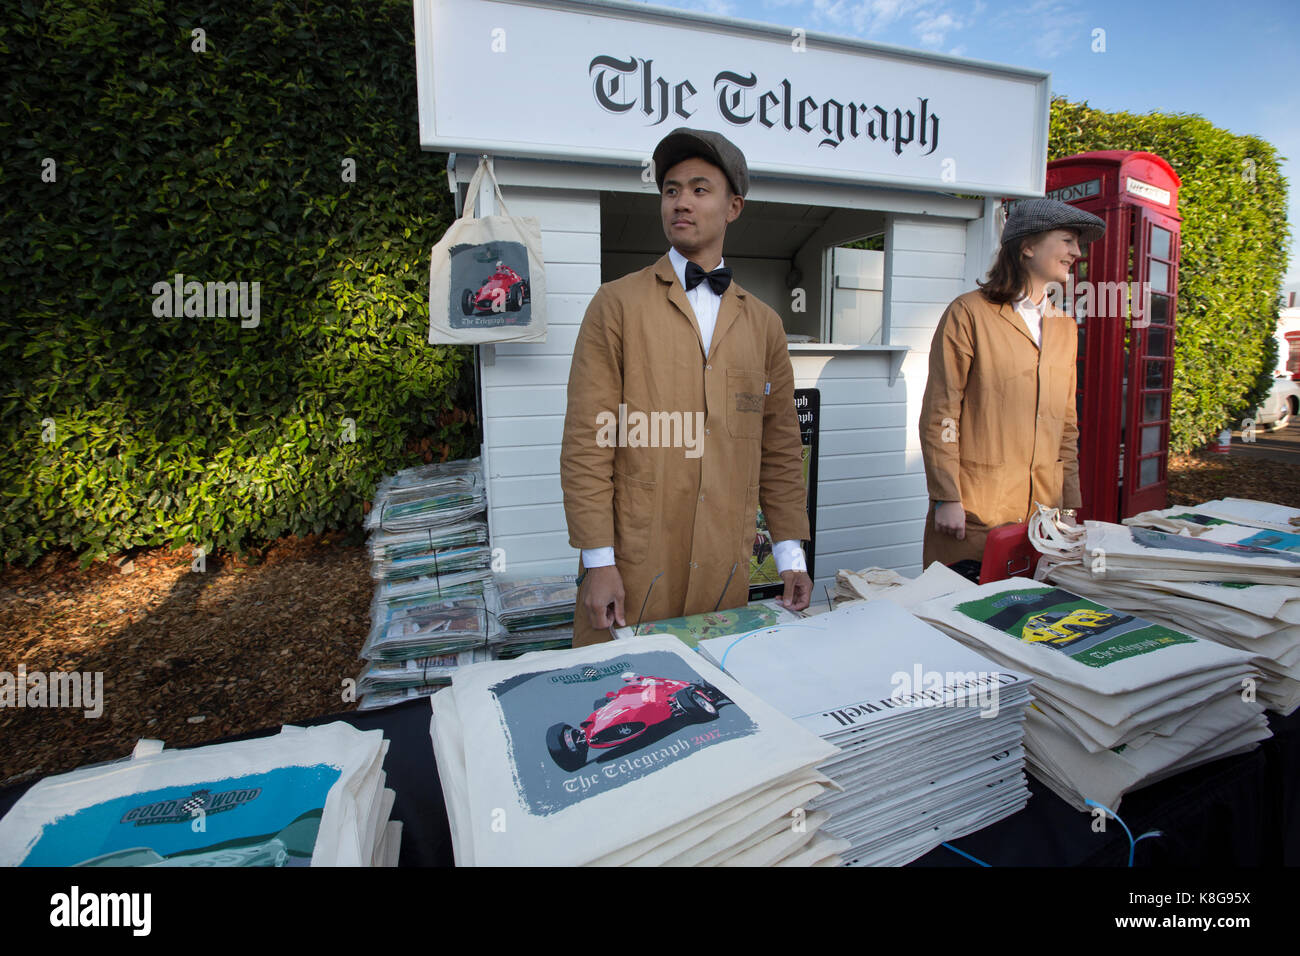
<point x="1132" y="843"/>
<point x="758" y="630"/>
<point x="966" y="855"/>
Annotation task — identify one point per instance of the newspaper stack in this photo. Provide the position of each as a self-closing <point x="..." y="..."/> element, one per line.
<point x="416" y="643"/>
<point x="429" y="552"/>
<point x="428" y="496"/>
<point x="930" y="732"/>
<point x="1120" y="701"/>
<point x="536" y="614"/>
<point x="304" y="797"/>
<point x="423" y="529"/>
<point x="618" y="754"/>
<point x="433" y="607"/>
<point x="384" y="683"/>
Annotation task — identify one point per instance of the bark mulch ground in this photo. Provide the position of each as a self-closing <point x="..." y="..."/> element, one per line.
<point x="188" y="656"/>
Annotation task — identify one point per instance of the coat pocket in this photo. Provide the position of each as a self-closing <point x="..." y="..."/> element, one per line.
<point x="634" y="502"/>
<point x="745" y="400"/>
<point x="1056" y="392"/>
<point x="982" y="490"/>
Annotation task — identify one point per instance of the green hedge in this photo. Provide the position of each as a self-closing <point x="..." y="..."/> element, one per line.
<point x="124" y="428"/>
<point x="1234" y="254"/>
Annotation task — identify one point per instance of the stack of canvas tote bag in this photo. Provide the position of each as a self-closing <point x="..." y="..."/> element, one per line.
<point x="486" y="277"/>
<point x="1234" y="580"/>
<point x="1121" y="701"/>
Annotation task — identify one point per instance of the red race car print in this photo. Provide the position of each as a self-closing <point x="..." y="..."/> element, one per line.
<point x="629" y="713"/>
<point x="504" y="290"/>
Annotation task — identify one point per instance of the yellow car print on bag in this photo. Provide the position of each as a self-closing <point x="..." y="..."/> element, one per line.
<point x="1061" y="629"/>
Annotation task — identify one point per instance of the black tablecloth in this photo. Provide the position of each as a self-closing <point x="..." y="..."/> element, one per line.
<point x="1239" y="811"/>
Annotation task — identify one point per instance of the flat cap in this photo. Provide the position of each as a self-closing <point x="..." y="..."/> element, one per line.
<point x="683" y="143"/>
<point x="1030" y="216"/>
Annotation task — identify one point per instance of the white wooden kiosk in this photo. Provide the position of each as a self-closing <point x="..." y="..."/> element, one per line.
<point x="845" y="140"/>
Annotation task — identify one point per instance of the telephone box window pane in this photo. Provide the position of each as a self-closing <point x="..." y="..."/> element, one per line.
<point x="1159" y="277"/>
<point x="1160" y="242"/>
<point x="1157" y="341"/>
<point x="1149" y="472"/>
<point x="1081" y="270"/>
<point x="1160" y="309"/>
<point x="1152" y="408"/>
<point x="1155" y="375"/>
<point x="1150" y="439"/>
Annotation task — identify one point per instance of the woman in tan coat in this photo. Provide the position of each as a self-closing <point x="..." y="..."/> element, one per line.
<point x="998" y="425"/>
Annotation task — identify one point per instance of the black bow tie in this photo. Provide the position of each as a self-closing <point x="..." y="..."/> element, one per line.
<point x="719" y="278"/>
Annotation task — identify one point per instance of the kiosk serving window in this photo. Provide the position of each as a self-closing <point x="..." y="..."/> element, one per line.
<point x="793" y="257"/>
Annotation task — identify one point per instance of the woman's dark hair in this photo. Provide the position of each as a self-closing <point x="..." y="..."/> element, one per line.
<point x="1008" y="279"/>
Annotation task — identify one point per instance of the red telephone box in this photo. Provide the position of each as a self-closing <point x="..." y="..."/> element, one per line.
<point x="1125" y="298"/>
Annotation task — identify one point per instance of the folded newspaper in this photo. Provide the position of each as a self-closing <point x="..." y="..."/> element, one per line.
<point x="427" y="496"/>
<point x="930" y="732"/>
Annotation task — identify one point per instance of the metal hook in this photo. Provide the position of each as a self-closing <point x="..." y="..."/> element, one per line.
<point x="637" y="629"/>
<point x="727" y="585"/>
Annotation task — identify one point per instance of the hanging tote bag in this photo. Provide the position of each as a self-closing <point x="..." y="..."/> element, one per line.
<point x="487" y="281"/>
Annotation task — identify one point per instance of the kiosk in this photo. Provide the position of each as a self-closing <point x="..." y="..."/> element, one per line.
<point x="845" y="141"/>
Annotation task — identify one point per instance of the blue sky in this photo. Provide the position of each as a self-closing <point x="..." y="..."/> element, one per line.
<point x="1236" y="64"/>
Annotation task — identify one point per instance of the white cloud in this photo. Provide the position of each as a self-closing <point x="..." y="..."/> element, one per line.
<point x="931" y="29"/>
<point x="1051" y="27"/>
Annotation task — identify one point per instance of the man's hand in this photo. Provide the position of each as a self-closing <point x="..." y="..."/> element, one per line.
<point x="604" y="600"/>
<point x="950" y="518"/>
<point x="798" y="590"/>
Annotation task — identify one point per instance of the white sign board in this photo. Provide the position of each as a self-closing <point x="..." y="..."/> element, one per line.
<point x="606" y="81"/>
<point x="1147" y="191"/>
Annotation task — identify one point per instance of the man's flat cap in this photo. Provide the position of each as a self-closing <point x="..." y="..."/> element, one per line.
<point x="683" y="143"/>
<point x="1030" y="216"/>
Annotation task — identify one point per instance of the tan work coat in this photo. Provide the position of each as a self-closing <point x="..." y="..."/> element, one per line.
<point x="690" y="519"/>
<point x="998" y="425"/>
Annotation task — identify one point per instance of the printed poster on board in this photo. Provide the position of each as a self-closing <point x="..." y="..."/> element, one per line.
<point x="764" y="581"/>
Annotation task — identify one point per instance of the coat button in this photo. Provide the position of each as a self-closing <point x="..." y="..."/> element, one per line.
<point x="708" y="368"/>
<point x="707" y="432"/>
<point x="701" y="497"/>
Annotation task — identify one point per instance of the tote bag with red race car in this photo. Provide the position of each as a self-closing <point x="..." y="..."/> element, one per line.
<point x="487" y="282"/>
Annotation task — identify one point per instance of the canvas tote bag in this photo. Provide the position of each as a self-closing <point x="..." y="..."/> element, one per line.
<point x="487" y="281"/>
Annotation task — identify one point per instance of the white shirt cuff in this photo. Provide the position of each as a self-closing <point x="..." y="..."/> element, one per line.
<point x="597" y="558"/>
<point x="789" y="556"/>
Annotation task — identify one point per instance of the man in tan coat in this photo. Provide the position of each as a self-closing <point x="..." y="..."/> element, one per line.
<point x="681" y="418"/>
<point x="999" y="431"/>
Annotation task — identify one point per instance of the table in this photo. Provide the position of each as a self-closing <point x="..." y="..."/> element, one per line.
<point x="1238" y="811"/>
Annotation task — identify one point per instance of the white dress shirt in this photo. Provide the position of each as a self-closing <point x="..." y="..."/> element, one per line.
<point x="787" y="555"/>
<point x="1032" y="313"/>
